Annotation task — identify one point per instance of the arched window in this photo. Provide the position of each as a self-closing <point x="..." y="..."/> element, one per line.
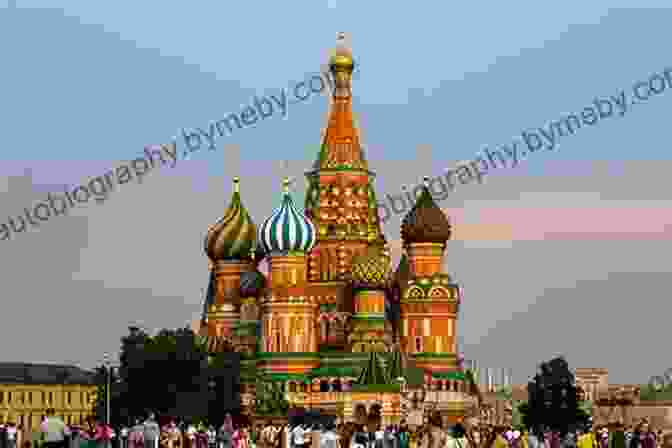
<point x="418" y="344"/>
<point x="324" y="386"/>
<point x="337" y="385"/>
<point x="292" y="386"/>
<point x="324" y="330"/>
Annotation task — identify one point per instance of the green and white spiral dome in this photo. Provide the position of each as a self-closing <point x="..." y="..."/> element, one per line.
<point x="287" y="229"/>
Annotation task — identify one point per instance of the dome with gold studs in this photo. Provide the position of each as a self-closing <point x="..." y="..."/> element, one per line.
<point x="233" y="237"/>
<point x="372" y="270"/>
<point x="426" y="222"/>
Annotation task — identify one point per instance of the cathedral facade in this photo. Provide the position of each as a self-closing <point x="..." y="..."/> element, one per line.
<point x="332" y="323"/>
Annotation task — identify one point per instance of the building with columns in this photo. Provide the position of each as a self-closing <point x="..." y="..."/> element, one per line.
<point x="332" y="309"/>
<point x="28" y="390"/>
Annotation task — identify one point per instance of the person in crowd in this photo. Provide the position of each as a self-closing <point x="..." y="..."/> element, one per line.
<point x="587" y="440"/>
<point x="151" y="431"/>
<point x="329" y="438"/>
<point x="457" y="437"/>
<point x="170" y="434"/>
<point x="53" y="430"/>
<point x="225" y="433"/>
<point x="12" y="433"/>
<point x="212" y="437"/>
<point x="647" y="437"/>
<point x="298" y="437"/>
<point x="201" y="435"/>
<point x="136" y="436"/>
<point x="190" y="434"/>
<point x="104" y="435"/>
<point x="403" y="435"/>
<point x="618" y="437"/>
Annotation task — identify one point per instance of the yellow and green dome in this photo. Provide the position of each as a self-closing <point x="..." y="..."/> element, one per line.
<point x="233" y="237"/>
<point x="372" y="270"/>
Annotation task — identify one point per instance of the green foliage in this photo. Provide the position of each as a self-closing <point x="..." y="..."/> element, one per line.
<point x="170" y="374"/>
<point x="523" y="411"/>
<point x="504" y="393"/>
<point x="648" y="393"/>
<point x="553" y="399"/>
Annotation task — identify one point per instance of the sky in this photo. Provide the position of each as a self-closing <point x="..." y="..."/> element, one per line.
<point x="563" y="254"/>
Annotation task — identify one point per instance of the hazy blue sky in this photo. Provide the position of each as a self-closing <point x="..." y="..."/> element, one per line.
<point x="566" y="254"/>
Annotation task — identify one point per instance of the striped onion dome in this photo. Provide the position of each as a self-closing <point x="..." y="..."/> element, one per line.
<point x="372" y="270"/>
<point x="287" y="229"/>
<point x="233" y="237"/>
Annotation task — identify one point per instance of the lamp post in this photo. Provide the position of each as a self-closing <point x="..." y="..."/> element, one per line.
<point x="106" y="363"/>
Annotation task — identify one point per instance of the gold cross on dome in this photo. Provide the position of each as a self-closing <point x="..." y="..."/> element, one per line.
<point x="285" y="167"/>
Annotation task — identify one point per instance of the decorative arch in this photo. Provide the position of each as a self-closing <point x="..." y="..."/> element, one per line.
<point x="414" y="292"/>
<point x="360" y="413"/>
<point x="438" y="292"/>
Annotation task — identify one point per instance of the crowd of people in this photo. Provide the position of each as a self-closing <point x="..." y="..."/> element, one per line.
<point x="147" y="433"/>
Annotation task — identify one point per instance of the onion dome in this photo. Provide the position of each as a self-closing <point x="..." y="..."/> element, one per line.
<point x="252" y="283"/>
<point x="426" y="222"/>
<point x="209" y="297"/>
<point x="372" y="270"/>
<point x="232" y="237"/>
<point x="287" y="229"/>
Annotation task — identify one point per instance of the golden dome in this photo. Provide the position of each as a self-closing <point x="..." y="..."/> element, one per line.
<point x="372" y="270"/>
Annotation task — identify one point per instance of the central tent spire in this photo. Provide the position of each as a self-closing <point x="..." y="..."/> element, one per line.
<point x="341" y="200"/>
<point x="341" y="147"/>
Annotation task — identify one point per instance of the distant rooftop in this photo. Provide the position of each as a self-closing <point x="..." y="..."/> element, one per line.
<point x="26" y="373"/>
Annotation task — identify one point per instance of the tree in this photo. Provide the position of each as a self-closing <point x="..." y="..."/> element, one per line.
<point x="172" y="373"/>
<point x="553" y="401"/>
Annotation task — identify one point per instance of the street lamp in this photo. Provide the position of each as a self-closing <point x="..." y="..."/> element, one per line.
<point x="106" y="362"/>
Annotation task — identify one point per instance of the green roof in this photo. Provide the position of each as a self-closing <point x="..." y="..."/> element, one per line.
<point x="335" y="371"/>
<point x="373" y="373"/>
<point x="396" y="368"/>
<point x="286" y="377"/>
<point x="415" y="376"/>
<point x="455" y="375"/>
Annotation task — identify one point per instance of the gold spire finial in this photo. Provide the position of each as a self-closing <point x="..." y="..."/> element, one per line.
<point x="236" y="184"/>
<point x="285" y="184"/>
<point x="342" y="60"/>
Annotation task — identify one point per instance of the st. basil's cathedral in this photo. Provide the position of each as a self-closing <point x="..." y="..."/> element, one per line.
<point x="331" y="324"/>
